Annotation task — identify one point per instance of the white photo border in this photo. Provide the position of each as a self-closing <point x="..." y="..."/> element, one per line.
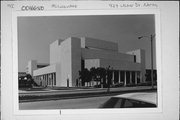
<point x="16" y="14"/>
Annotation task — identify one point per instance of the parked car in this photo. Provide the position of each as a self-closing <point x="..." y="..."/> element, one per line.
<point x="132" y="100"/>
<point x="118" y="85"/>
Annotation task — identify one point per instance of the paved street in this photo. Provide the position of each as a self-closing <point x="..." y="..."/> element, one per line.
<point x="71" y="99"/>
<point x="46" y="95"/>
<point x="92" y="102"/>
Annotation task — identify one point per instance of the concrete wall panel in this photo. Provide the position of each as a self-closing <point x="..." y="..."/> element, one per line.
<point x="55" y="52"/>
<point x="137" y="53"/>
<point x="100" y="54"/>
<point x="120" y="65"/>
<point x="32" y="65"/>
<point x="140" y="58"/>
<point x="100" y="44"/>
<point x="44" y="70"/>
<point x="58" y="74"/>
<point x="76" y="59"/>
<point x="66" y="62"/>
<point x="89" y="63"/>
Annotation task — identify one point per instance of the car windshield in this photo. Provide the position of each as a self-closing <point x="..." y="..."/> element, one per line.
<point x="128" y="103"/>
<point x="115" y="102"/>
<point x="112" y="103"/>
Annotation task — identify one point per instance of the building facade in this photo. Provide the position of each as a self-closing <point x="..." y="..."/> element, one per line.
<point x="69" y="56"/>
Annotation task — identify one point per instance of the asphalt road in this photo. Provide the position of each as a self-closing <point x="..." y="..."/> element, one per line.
<point x="79" y="103"/>
<point x="48" y="94"/>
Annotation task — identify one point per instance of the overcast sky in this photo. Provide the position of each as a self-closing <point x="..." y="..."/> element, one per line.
<point x="35" y="34"/>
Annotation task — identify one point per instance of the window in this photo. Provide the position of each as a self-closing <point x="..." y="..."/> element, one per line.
<point x="134" y="58"/>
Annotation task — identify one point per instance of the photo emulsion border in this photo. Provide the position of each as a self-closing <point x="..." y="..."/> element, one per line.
<point x="156" y="14"/>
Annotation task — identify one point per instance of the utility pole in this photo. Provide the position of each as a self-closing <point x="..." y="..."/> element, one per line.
<point x="151" y="38"/>
<point x="152" y="82"/>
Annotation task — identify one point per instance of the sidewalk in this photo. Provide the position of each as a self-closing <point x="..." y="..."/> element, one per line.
<point x="51" y="94"/>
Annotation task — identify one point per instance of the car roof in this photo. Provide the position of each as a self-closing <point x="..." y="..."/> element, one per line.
<point x="149" y="97"/>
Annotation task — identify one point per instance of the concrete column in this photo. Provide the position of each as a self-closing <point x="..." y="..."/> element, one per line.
<point x="136" y="77"/>
<point x="113" y="77"/>
<point x="141" y="77"/>
<point x="47" y="82"/>
<point x="130" y="73"/>
<point x="119" y="76"/>
<point x="47" y="79"/>
<point x="124" y="78"/>
<point x="52" y="79"/>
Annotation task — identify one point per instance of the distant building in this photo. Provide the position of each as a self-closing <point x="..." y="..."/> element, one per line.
<point x="33" y="65"/>
<point x="69" y="56"/>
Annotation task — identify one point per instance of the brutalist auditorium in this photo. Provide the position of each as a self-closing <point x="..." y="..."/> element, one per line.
<point x="69" y="56"/>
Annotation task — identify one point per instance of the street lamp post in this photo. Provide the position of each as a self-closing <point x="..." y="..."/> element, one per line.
<point x="151" y="38"/>
<point x="152" y="82"/>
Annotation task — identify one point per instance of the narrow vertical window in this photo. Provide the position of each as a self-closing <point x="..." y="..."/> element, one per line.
<point x="134" y="58"/>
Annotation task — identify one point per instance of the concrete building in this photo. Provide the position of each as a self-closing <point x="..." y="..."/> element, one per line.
<point x="33" y="65"/>
<point x="69" y="56"/>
